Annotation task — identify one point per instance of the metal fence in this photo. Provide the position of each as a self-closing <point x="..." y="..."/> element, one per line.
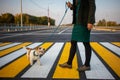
<point x="15" y="28"/>
<point x="108" y="28"/>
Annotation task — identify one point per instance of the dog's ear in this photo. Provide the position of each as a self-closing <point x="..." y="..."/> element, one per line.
<point x="27" y="48"/>
<point x="36" y="48"/>
<point x="44" y="49"/>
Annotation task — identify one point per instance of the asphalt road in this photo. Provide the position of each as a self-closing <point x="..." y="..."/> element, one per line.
<point x="60" y="35"/>
<point x="105" y="52"/>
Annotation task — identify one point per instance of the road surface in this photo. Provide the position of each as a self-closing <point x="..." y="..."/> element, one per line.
<point x="105" y="61"/>
<point x="60" y="35"/>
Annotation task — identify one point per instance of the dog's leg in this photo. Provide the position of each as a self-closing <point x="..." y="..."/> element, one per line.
<point x="38" y="61"/>
<point x="27" y="56"/>
<point x="31" y="62"/>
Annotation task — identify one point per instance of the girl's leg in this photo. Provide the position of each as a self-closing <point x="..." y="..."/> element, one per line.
<point x="87" y="53"/>
<point x="72" y="52"/>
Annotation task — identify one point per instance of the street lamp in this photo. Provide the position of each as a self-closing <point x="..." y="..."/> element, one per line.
<point x="21" y="15"/>
<point x="48" y="18"/>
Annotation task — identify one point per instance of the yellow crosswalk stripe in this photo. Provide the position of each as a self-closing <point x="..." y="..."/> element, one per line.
<point x="116" y="43"/>
<point x="18" y="65"/>
<point x="112" y="60"/>
<point x="47" y="45"/>
<point x="64" y="72"/>
<point x="5" y="43"/>
<point x="14" y="68"/>
<point x="7" y="51"/>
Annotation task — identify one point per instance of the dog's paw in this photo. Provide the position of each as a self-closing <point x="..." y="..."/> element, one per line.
<point x="30" y="64"/>
<point x="24" y="47"/>
<point x="40" y="64"/>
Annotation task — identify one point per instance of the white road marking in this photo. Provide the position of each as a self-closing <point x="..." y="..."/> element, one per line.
<point x="9" y="45"/>
<point x="63" y="31"/>
<point x="111" y="47"/>
<point x="11" y="36"/>
<point x="47" y="61"/>
<point x="8" y="58"/>
<point x="98" y="70"/>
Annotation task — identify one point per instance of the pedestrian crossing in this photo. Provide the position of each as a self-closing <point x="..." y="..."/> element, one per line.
<point x="116" y="43"/>
<point x="105" y="61"/>
<point x="9" y="50"/>
<point x="63" y="73"/>
<point x="96" y="72"/>
<point x="4" y="43"/>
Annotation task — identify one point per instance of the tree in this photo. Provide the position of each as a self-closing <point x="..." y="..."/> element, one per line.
<point x="7" y="18"/>
<point x="102" y="22"/>
<point x="44" y="20"/>
<point x="27" y="19"/>
<point x="52" y="21"/>
<point x="17" y="19"/>
<point x="111" y="23"/>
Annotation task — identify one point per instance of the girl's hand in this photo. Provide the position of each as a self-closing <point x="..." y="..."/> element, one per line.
<point x="69" y="4"/>
<point x="89" y="26"/>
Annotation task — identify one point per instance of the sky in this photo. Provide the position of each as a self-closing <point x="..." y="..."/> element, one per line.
<point x="105" y="9"/>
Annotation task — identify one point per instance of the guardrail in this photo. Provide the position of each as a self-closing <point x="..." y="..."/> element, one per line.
<point x="24" y="28"/>
<point x="108" y="28"/>
<point x="43" y="27"/>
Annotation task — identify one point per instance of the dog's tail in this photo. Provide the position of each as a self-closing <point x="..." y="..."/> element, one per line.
<point x="24" y="47"/>
<point x="28" y="51"/>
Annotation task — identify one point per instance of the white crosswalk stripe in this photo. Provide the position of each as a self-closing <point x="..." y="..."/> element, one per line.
<point x="111" y="47"/>
<point x="7" y="46"/>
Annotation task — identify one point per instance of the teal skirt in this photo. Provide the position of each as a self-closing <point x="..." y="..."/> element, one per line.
<point x="80" y="33"/>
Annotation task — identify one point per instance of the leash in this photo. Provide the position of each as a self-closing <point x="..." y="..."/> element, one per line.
<point x="52" y="34"/>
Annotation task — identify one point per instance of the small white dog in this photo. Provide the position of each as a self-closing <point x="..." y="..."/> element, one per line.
<point x="34" y="54"/>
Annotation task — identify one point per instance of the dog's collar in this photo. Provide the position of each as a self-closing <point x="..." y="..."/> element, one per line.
<point x="35" y="54"/>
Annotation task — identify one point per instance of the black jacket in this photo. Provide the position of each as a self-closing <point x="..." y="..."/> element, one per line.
<point x="86" y="13"/>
